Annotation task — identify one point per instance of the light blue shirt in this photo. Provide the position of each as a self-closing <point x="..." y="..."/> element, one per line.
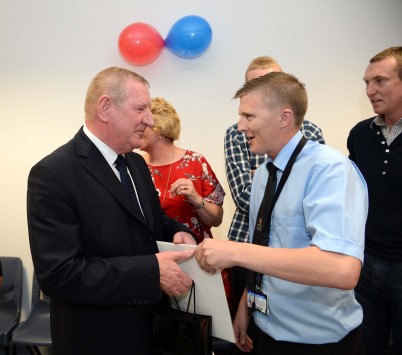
<point x="323" y="203"/>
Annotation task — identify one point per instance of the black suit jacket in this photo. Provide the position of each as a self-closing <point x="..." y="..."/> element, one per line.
<point x="92" y="253"/>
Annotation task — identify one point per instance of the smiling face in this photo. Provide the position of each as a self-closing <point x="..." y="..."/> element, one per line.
<point x="261" y="123"/>
<point x="271" y="110"/>
<point x="128" y="121"/>
<point x="384" y="88"/>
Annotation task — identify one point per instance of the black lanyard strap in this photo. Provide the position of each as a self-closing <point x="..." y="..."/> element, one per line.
<point x="264" y="214"/>
<point x="263" y="222"/>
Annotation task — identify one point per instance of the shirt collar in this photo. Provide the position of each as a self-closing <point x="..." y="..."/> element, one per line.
<point x="107" y="152"/>
<point x="286" y="152"/>
<point x="379" y="121"/>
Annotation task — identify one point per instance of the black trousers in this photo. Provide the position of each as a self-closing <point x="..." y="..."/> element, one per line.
<point x="238" y="275"/>
<point x="351" y="344"/>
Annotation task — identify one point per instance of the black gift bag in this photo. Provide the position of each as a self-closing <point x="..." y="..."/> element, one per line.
<point x="179" y="332"/>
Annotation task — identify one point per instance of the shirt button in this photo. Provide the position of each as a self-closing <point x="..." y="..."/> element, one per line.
<point x="385" y="161"/>
<point x="386" y="150"/>
<point x="384" y="172"/>
<point x="378" y="132"/>
<point x="382" y="142"/>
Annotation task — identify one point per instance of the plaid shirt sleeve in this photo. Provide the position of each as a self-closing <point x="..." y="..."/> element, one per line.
<point x="312" y="131"/>
<point x="239" y="164"/>
<point x="238" y="170"/>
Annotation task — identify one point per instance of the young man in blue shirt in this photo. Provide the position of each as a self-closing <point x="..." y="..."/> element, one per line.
<point x="302" y="301"/>
<point x="240" y="164"/>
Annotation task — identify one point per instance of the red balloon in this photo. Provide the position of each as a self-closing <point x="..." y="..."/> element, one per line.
<point x="140" y="43"/>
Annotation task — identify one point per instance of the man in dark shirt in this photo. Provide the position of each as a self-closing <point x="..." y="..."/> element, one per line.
<point x="375" y="145"/>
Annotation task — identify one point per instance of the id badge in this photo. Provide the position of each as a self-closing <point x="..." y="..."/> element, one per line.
<point x="257" y="300"/>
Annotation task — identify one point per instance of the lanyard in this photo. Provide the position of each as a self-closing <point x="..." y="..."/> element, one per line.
<point x="262" y="237"/>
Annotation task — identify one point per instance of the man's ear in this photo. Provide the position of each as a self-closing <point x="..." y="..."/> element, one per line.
<point x="286" y="117"/>
<point x="103" y="107"/>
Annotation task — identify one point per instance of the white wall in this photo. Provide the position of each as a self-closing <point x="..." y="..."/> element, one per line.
<point x="50" y="50"/>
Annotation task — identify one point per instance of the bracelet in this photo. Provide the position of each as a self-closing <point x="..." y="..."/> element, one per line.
<point x="202" y="204"/>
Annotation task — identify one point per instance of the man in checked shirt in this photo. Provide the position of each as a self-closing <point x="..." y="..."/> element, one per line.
<point x="240" y="165"/>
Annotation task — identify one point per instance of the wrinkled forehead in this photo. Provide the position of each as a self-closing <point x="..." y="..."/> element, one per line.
<point x="385" y="67"/>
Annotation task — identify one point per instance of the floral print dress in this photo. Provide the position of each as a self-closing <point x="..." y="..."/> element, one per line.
<point x="195" y="167"/>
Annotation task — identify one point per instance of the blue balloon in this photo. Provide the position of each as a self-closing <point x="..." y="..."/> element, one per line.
<point x="189" y="37"/>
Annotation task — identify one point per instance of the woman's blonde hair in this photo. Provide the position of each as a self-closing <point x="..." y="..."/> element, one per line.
<point x="167" y="121"/>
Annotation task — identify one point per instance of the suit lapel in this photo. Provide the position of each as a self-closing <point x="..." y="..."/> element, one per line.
<point x="93" y="161"/>
<point x="136" y="174"/>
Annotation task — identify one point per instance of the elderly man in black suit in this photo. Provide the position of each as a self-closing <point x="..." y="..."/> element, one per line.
<point x="93" y="247"/>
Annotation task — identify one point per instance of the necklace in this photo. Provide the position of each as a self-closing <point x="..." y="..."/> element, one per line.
<point x="168" y="179"/>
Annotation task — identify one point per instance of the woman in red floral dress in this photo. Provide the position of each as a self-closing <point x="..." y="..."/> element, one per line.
<point x="189" y="190"/>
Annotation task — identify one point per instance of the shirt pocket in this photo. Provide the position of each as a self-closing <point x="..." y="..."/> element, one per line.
<point x="289" y="232"/>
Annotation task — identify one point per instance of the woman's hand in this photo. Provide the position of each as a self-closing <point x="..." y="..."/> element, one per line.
<point x="210" y="214"/>
<point x="185" y="187"/>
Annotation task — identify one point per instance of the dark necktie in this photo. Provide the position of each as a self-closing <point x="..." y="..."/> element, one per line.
<point x="126" y="181"/>
<point x="263" y="222"/>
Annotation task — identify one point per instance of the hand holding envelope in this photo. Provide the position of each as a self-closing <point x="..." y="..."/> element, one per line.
<point x="214" y="255"/>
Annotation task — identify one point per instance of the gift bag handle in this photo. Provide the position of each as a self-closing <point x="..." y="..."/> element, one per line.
<point x="191" y="296"/>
